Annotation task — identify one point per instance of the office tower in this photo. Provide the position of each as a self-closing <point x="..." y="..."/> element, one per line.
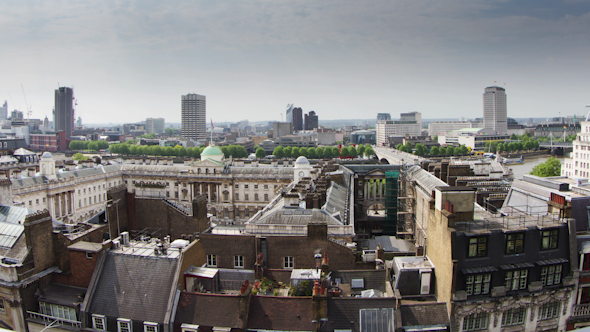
<point x="155" y="125"/>
<point x="4" y="111"/>
<point x="63" y="114"/>
<point x="289" y="113"/>
<point x="383" y="116"/>
<point x="409" y="123"/>
<point x="311" y="121"/>
<point x="194" y="117"/>
<point x="297" y="118"/>
<point x="494" y="109"/>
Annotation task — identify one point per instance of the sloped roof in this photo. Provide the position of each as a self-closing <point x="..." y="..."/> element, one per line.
<point x="281" y="313"/>
<point x="209" y="310"/>
<point x="294" y="216"/>
<point x="426" y="314"/>
<point x="134" y="287"/>
<point x="343" y="313"/>
<point x="67" y="175"/>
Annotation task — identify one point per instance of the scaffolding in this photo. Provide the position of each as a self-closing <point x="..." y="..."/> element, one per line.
<point x="391" y="204"/>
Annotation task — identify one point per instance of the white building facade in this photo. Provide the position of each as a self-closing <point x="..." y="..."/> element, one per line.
<point x="494" y="109"/>
<point x="409" y="123"/>
<point x="579" y="164"/>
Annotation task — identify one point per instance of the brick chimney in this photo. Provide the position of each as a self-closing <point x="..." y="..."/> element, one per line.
<point x="38" y="237"/>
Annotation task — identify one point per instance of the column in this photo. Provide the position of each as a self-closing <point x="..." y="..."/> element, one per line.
<point x="57" y="206"/>
<point x="366" y="189"/>
<point x="374" y="189"/>
<point x="209" y="193"/>
<point x="380" y="188"/>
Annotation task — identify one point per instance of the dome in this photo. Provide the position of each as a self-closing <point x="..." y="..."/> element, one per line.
<point x="46" y="155"/>
<point x="301" y="161"/>
<point x="211" y="151"/>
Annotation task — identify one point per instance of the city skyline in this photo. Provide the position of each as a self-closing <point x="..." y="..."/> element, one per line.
<point x="340" y="59"/>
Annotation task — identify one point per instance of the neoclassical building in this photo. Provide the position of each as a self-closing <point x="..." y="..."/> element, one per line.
<point x="235" y="190"/>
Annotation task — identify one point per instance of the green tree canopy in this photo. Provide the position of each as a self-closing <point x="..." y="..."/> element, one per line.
<point x="93" y="146"/>
<point x="319" y="152"/>
<point x="278" y="152"/>
<point x="435" y="151"/>
<point x="260" y="153"/>
<point x="551" y="167"/>
<point x="344" y="152"/>
<point x="79" y="157"/>
<point x="369" y="151"/>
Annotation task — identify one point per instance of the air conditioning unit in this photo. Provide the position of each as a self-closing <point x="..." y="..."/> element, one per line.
<point x="369" y="255"/>
<point x="425" y="283"/>
<point x="125" y="238"/>
<point x="116" y="244"/>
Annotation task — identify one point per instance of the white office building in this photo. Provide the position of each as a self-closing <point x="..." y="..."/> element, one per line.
<point x="447" y="127"/>
<point x="155" y="125"/>
<point x="194" y="117"/>
<point x="409" y="123"/>
<point x="494" y="109"/>
<point x="578" y="166"/>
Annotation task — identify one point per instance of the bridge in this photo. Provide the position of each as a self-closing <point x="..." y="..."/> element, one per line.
<point x="563" y="145"/>
<point x="396" y="157"/>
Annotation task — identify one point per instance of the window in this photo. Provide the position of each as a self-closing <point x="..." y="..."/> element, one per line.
<point x="84" y="191"/>
<point x="30" y="203"/>
<point x="2" y="308"/>
<point x="478" y="246"/>
<point x="475" y="322"/>
<point x="266" y="186"/>
<point x="515" y="280"/>
<point x="37" y="201"/>
<point x="549" y="239"/>
<point x="124" y="325"/>
<point x="256" y="197"/>
<point x="288" y="262"/>
<point x="239" y="262"/>
<point x="586" y="262"/>
<point x="176" y="194"/>
<point x="514" y="243"/>
<point x="246" y="197"/>
<point x="551" y="275"/>
<point x="376" y="320"/>
<point x="549" y="310"/>
<point x="89" y="255"/>
<point x="99" y="322"/>
<point x="167" y="194"/>
<point x="255" y="186"/>
<point x="237" y="186"/>
<point x="266" y="197"/>
<point x="43" y="199"/>
<point x="477" y="284"/>
<point x="513" y="317"/>
<point x="212" y="260"/>
<point x="150" y="327"/>
<point x="80" y="203"/>
<point x="245" y="186"/>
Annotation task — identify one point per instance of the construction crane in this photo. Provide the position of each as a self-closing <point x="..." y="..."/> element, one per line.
<point x="26" y="104"/>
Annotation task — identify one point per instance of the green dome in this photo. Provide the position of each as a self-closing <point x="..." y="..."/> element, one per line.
<point x="211" y="151"/>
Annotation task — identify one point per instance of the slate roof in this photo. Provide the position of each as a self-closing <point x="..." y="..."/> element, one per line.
<point x="134" y="287"/>
<point x="343" y="313"/>
<point x="391" y="244"/>
<point x="209" y="310"/>
<point x="68" y="296"/>
<point x="281" y="313"/>
<point x="424" y="314"/>
<point x="66" y="175"/>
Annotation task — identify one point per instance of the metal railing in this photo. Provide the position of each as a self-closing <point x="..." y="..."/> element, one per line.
<point x="54" y="321"/>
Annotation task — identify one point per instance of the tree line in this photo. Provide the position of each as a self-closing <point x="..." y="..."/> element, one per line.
<point x="422" y="150"/>
<point x="323" y="152"/>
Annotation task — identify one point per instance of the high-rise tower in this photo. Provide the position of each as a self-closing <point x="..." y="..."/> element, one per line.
<point x="494" y="109"/>
<point x="194" y="117"/>
<point x="63" y="114"/>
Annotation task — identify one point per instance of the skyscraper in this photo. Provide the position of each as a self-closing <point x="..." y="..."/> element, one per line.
<point x="383" y="116"/>
<point x="63" y="114"/>
<point x="494" y="109"/>
<point x="297" y="118"/>
<point x="4" y="111"/>
<point x="194" y="117"/>
<point x="311" y="121"/>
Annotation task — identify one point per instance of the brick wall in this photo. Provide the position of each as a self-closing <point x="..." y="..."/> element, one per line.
<point x="61" y="243"/>
<point x="82" y="269"/>
<point x="117" y="214"/>
<point x="156" y="213"/>
<point x="225" y="247"/>
<point x="193" y="254"/>
<point x="38" y="231"/>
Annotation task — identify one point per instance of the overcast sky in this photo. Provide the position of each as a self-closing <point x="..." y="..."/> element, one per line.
<point x="344" y="59"/>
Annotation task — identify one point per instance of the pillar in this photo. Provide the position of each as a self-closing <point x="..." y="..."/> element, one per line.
<point x="209" y="193"/>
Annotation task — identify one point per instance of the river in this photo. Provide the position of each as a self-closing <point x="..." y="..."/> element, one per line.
<point x="521" y="169"/>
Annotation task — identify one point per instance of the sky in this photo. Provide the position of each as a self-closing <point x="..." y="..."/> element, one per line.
<point x="344" y="59"/>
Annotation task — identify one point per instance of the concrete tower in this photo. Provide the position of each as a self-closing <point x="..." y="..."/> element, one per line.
<point x="494" y="109"/>
<point x="63" y="115"/>
<point x="194" y="117"/>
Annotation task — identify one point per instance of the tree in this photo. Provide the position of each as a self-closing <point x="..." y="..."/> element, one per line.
<point x="435" y="151"/>
<point x="278" y="152"/>
<point x="443" y="150"/>
<point x="462" y="149"/>
<point x="551" y="167"/>
<point x="303" y="151"/>
<point x="124" y="149"/>
<point x="311" y="153"/>
<point x="319" y="152"/>
<point x="327" y="152"/>
<point x="344" y="152"/>
<point x="513" y="137"/>
<point x="295" y="152"/>
<point x="369" y="151"/>
<point x="450" y="150"/>
<point x="360" y="149"/>
<point x="287" y="152"/>
<point x="335" y="151"/>
<point x="102" y="144"/>
<point x="79" y="157"/>
<point x="168" y="151"/>
<point x="421" y="149"/>
<point x="400" y="147"/>
<point x="353" y="152"/>
<point x="93" y="146"/>
<point x="260" y="153"/>
<point x="240" y="152"/>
